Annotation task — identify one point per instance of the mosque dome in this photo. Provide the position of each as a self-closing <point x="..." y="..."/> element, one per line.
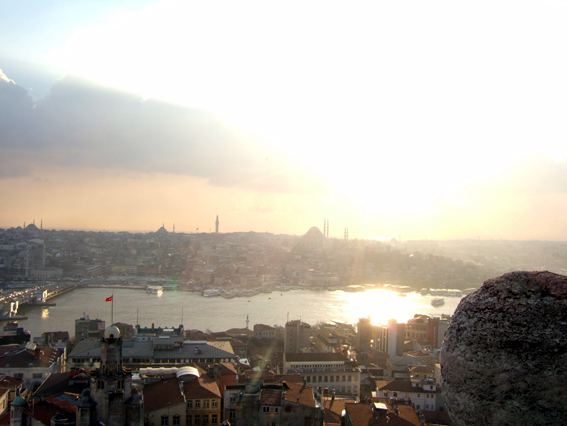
<point x="314" y="231"/>
<point x="112" y="332"/>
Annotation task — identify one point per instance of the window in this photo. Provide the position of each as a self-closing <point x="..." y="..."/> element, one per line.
<point x="206" y="403"/>
<point x="189" y="404"/>
<point x="418" y="406"/>
<point x="164" y="420"/>
<point x="215" y="403"/>
<point x="37" y="375"/>
<point x="197" y="420"/>
<point x="176" y="420"/>
<point x="232" y="414"/>
<point x="18" y="376"/>
<point x="418" y="395"/>
<point x="189" y="420"/>
<point x="265" y="409"/>
<point x="326" y="379"/>
<point x="349" y="378"/>
<point x="214" y="419"/>
<point x="320" y="379"/>
<point x="233" y="398"/>
<point x="197" y="403"/>
<point x="276" y="409"/>
<point x="343" y="379"/>
<point x="205" y="420"/>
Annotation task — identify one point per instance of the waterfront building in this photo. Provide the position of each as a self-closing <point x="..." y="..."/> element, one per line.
<point x="262" y="331"/>
<point x="158" y="331"/>
<point x="86" y="328"/>
<point x="396" y="338"/>
<point x="333" y="372"/>
<point x="435" y="330"/>
<point x="416" y="328"/>
<point x="164" y="351"/>
<point x="12" y="334"/>
<point x="365" y="334"/>
<point x="297" y="336"/>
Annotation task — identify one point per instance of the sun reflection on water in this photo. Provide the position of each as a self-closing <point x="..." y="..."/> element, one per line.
<point x="380" y="305"/>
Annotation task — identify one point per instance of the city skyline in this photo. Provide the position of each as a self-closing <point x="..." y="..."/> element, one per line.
<point x="425" y="121"/>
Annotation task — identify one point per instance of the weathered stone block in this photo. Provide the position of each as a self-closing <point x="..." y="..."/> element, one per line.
<point x="504" y="357"/>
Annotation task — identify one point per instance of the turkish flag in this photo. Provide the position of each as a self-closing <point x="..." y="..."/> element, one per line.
<point x="109" y="299"/>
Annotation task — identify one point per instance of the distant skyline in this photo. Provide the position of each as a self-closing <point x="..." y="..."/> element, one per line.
<point x="437" y="120"/>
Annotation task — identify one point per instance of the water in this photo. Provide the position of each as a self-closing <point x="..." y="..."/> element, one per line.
<point x="219" y="314"/>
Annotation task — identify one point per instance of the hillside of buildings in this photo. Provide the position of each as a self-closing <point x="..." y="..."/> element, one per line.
<point x="236" y="261"/>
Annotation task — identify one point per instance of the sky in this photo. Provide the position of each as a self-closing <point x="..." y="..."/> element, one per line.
<point x="414" y="120"/>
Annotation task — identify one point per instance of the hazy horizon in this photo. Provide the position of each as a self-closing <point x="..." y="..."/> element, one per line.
<point x="440" y="121"/>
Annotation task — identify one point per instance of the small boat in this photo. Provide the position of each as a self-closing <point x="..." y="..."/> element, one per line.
<point x="438" y="301"/>
<point x="155" y="289"/>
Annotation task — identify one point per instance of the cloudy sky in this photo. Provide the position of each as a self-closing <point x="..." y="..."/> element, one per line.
<point x="438" y="119"/>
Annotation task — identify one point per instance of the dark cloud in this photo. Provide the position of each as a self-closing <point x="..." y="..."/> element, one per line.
<point x="83" y="124"/>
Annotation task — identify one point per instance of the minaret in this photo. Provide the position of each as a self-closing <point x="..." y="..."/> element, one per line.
<point x="327" y="234"/>
<point x="174" y="228"/>
<point x="217" y="225"/>
<point x="247" y="321"/>
<point x="325" y="227"/>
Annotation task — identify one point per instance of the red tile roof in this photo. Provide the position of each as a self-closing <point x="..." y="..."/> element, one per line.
<point x="271" y="397"/>
<point x="201" y="387"/>
<point x="300" y="393"/>
<point x="162" y="394"/>
<point x="362" y="415"/>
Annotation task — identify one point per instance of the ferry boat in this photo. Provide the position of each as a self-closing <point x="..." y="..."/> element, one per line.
<point x="438" y="301"/>
<point x="155" y="289"/>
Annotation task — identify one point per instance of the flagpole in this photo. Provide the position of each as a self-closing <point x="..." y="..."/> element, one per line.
<point x="112" y="310"/>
